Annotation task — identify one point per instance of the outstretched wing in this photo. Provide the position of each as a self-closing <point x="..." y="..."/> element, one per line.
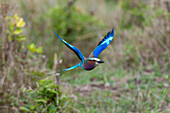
<point x="103" y="44"/>
<point x="71" y="67"/>
<point x="76" y="51"/>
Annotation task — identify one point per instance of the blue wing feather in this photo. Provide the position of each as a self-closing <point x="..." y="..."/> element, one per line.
<point x="71" y="67"/>
<point x="103" y="43"/>
<point x="73" y="48"/>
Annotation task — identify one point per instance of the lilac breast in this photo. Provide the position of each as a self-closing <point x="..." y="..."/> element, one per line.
<point x="89" y="65"/>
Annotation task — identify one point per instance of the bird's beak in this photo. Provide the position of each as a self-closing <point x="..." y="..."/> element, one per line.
<point x="100" y="61"/>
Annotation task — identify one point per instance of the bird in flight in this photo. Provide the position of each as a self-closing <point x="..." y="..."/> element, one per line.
<point x="92" y="61"/>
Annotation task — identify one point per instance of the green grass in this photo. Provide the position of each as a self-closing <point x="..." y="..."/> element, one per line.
<point x="127" y="91"/>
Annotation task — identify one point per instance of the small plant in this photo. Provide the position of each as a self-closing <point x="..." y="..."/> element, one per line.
<point x="15" y="30"/>
<point x="22" y="64"/>
<point x="46" y="97"/>
<point x="32" y="47"/>
<point x="15" y="33"/>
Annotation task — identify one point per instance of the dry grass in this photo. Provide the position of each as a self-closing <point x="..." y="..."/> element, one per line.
<point x="19" y="66"/>
<point x="133" y="79"/>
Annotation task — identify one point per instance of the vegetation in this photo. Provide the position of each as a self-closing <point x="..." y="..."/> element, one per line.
<point x="45" y="98"/>
<point x="134" y="77"/>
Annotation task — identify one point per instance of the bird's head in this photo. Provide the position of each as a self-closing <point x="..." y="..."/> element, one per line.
<point x="95" y="60"/>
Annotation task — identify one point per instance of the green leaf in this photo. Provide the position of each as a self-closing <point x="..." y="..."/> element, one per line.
<point x="18" y="31"/>
<point x="32" y="107"/>
<point x="24" y="109"/>
<point x="39" y="50"/>
<point x="41" y="100"/>
<point x="21" y="38"/>
<point x="32" y="47"/>
<point x="12" y="28"/>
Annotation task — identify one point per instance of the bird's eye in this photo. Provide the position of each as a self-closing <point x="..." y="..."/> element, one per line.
<point x="91" y="60"/>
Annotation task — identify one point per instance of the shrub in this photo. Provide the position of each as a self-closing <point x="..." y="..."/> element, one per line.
<point x="46" y="97"/>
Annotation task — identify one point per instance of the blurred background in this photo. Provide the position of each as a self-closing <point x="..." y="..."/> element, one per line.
<point x="134" y="77"/>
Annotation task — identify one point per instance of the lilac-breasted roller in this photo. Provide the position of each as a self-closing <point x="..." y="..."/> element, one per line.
<point x="93" y="60"/>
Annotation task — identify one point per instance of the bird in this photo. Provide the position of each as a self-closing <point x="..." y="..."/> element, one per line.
<point x="92" y="61"/>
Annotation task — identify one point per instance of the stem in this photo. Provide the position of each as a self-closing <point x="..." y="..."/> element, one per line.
<point x="3" y="47"/>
